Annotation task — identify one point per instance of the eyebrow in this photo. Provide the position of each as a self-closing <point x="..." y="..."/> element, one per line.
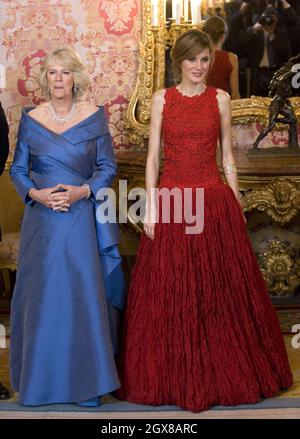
<point x="64" y="68"/>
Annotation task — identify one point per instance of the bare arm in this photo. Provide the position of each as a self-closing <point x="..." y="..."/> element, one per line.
<point x="234" y="76"/>
<point x="228" y="161"/>
<point x="152" y="166"/>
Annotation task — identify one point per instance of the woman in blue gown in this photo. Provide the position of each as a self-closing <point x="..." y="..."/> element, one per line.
<point x="69" y="277"/>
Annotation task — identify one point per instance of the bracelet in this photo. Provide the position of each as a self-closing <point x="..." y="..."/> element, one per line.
<point x="229" y="169"/>
<point x="89" y="190"/>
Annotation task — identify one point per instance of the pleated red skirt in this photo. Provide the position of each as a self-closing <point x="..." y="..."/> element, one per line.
<point x="200" y="329"/>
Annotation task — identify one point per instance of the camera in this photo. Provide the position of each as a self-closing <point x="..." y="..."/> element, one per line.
<point x="266" y="19"/>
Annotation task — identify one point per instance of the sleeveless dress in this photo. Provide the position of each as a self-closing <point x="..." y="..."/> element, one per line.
<point x="220" y="71"/>
<point x="200" y="329"/>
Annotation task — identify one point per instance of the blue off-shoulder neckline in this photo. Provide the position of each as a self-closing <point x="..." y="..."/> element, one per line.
<point x="27" y="109"/>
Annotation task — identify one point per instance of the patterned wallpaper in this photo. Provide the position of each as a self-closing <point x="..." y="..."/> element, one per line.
<point x="104" y="32"/>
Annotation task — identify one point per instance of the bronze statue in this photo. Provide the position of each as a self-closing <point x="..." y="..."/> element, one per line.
<point x="281" y="110"/>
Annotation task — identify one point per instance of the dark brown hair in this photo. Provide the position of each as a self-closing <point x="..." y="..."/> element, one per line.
<point x="215" y="27"/>
<point x="187" y="45"/>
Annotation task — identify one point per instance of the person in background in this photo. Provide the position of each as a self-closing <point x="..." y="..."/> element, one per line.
<point x="69" y="274"/>
<point x="241" y="15"/>
<point x="267" y="47"/>
<point x="4" y="149"/>
<point x="224" y="71"/>
<point x="287" y="18"/>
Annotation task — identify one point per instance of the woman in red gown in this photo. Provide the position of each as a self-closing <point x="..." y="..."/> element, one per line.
<point x="224" y="70"/>
<point x="200" y="329"/>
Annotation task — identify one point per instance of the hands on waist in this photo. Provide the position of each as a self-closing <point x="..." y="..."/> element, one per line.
<point x="59" y="197"/>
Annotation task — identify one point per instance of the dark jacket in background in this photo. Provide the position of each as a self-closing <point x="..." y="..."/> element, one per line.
<point x="238" y="23"/>
<point x="4" y="148"/>
<point x="254" y="46"/>
<point x="4" y="145"/>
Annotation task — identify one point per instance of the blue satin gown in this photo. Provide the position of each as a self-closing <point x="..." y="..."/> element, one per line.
<point x="69" y="274"/>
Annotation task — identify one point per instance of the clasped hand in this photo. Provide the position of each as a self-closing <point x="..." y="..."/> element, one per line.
<point x="59" y="197"/>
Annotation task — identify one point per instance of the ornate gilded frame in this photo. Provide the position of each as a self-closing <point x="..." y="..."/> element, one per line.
<point x="151" y="74"/>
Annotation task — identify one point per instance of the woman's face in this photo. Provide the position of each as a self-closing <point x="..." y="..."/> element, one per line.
<point x="195" y="69"/>
<point x="60" y="81"/>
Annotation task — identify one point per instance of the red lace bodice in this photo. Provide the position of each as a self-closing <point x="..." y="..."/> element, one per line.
<point x="190" y="132"/>
<point x="220" y="71"/>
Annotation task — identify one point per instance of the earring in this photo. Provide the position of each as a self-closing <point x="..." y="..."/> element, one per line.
<point x="75" y="89"/>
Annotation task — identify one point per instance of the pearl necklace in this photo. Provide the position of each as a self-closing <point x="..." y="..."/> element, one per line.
<point x="59" y="119"/>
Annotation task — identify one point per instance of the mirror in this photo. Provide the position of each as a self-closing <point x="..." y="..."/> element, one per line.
<point x="159" y="31"/>
<point x="162" y="22"/>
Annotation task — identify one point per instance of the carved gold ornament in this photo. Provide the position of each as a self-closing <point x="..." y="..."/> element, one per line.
<point x="150" y="74"/>
<point x="280" y="199"/>
<point x="280" y="269"/>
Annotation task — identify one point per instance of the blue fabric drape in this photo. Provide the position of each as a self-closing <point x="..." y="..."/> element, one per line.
<point x="69" y="275"/>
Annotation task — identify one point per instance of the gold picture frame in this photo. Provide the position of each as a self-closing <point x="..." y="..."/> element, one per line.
<point x="151" y="77"/>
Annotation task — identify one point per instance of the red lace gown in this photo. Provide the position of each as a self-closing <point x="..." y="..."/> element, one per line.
<point x="200" y="329"/>
<point x="220" y="71"/>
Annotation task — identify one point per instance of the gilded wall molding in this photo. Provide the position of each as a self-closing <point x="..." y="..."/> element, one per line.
<point x="279" y="199"/>
<point x="280" y="268"/>
<point x="150" y="75"/>
<point x="256" y="108"/>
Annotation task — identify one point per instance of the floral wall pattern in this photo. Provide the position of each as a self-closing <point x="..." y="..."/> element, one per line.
<point x="104" y="32"/>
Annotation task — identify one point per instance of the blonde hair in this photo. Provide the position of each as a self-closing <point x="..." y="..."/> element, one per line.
<point x="68" y="58"/>
<point x="187" y="45"/>
<point x="215" y="27"/>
